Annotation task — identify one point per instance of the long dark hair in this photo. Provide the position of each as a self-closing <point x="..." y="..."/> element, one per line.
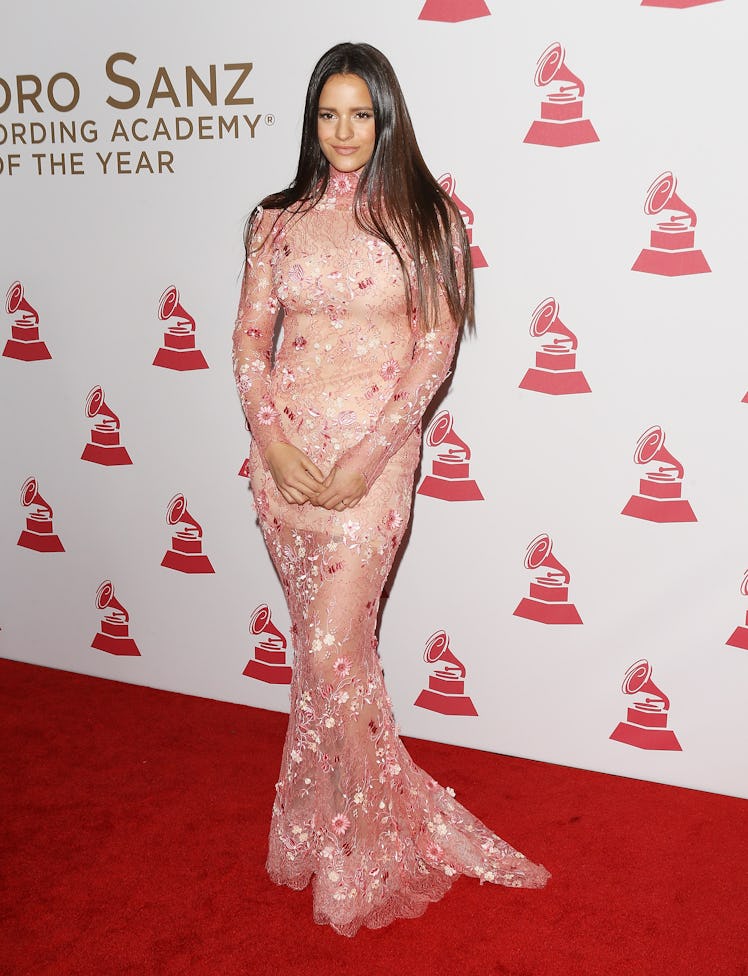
<point x="397" y="198"/>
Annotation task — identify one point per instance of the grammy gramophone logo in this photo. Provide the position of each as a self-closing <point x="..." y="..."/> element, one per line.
<point x="24" y="343"/>
<point x="178" y="350"/>
<point x="269" y="661"/>
<point x="244" y="469"/>
<point x="548" y="602"/>
<point x="39" y="533"/>
<point x="450" y="470"/>
<point x="447" y="183"/>
<point x="739" y="636"/>
<point x="104" y="439"/>
<point x="453" y="11"/>
<point x="446" y="691"/>
<point x="676" y="4"/>
<point x="660" y="490"/>
<point x="561" y="123"/>
<point x="113" y="635"/>
<point x="186" y="551"/>
<point x="672" y="251"/>
<point x="646" y="718"/>
<point x="555" y="370"/>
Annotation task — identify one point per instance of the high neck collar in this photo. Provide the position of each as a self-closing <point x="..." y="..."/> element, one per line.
<point x="341" y="186"/>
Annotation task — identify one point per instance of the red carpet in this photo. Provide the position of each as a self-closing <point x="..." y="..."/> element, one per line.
<point x="134" y="831"/>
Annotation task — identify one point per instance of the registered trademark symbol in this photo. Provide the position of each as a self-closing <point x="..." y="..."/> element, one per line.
<point x="269" y="120"/>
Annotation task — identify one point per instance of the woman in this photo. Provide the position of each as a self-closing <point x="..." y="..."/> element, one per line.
<point x="370" y="263"/>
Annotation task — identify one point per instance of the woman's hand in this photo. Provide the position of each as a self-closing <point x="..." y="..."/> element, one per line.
<point x="298" y="479"/>
<point x="342" y="489"/>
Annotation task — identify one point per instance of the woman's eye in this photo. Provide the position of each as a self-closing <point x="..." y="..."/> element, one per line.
<point x="326" y="116"/>
<point x="365" y="115"/>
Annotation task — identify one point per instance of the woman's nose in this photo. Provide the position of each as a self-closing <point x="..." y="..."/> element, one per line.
<point x="344" y="129"/>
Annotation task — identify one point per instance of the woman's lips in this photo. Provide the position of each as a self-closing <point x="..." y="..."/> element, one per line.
<point x="345" y="150"/>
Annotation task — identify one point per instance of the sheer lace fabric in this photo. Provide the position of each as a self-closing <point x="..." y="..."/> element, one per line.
<point x="376" y="835"/>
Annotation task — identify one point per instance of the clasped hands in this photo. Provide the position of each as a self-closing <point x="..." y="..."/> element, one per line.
<point x="299" y="480"/>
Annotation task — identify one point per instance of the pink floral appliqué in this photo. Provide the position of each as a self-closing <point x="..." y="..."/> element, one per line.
<point x="288" y="378"/>
<point x="266" y="413"/>
<point x="262" y="504"/>
<point x="342" y="666"/>
<point x="390" y="370"/>
<point x="340" y="823"/>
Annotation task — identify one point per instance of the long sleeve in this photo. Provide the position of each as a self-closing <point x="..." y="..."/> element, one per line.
<point x="253" y="338"/>
<point x="432" y="357"/>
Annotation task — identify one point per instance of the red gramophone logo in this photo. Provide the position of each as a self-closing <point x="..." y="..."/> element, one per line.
<point x="186" y="552"/>
<point x="178" y="350"/>
<point x="676" y="4"/>
<point x="555" y="369"/>
<point x="114" y="630"/>
<point x="447" y="183"/>
<point x="739" y="636"/>
<point x="671" y="251"/>
<point x="453" y="11"/>
<point x="269" y="661"/>
<point x="560" y="123"/>
<point x="446" y="691"/>
<point x="103" y="446"/>
<point x="244" y="469"/>
<point x="548" y="602"/>
<point x="450" y="471"/>
<point x="39" y="533"/>
<point x="24" y="342"/>
<point x="659" y="498"/>
<point x="646" y="720"/>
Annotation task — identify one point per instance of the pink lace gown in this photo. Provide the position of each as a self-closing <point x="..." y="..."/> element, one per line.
<point x="378" y="837"/>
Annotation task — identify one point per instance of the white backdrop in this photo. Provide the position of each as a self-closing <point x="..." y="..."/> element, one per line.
<point x="94" y="247"/>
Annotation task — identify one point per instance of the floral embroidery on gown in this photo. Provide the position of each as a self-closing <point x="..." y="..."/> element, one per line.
<point x="375" y="834"/>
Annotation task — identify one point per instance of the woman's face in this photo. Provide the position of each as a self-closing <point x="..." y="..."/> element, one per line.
<point x="345" y="122"/>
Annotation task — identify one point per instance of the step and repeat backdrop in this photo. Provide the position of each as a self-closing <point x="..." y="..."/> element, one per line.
<point x="574" y="588"/>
